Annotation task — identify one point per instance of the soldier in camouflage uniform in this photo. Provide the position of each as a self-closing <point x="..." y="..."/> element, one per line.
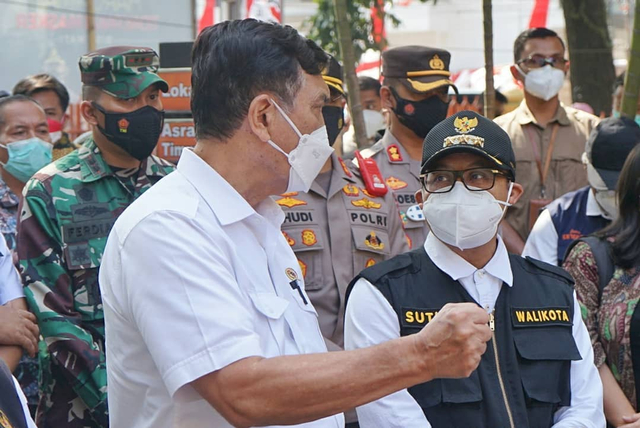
<point x="415" y="92"/>
<point x="68" y="210"/>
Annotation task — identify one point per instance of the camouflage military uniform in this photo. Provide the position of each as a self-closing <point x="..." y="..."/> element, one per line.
<point x="335" y="235"/>
<point x="402" y="175"/>
<point x="63" y="146"/>
<point x="69" y="208"/>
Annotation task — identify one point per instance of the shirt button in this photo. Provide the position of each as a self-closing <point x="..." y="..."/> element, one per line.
<point x="481" y="273"/>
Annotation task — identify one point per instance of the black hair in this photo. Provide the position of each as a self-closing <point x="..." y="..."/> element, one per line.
<point x="367" y="83"/>
<point x="43" y="82"/>
<point x="5" y="101"/>
<point x="532" y="33"/>
<point x="234" y="61"/>
<point x="625" y="229"/>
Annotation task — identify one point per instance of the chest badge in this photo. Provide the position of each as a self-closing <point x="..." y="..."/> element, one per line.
<point x="366" y="204"/>
<point x="393" y="152"/>
<point x="303" y="268"/>
<point x="351" y="190"/>
<point x="369" y="263"/>
<point x="291" y="274"/>
<point x="395" y="183"/>
<point x="372" y="241"/>
<point x="309" y="237"/>
<point x="290" y="202"/>
<point x="414" y="213"/>
<point x="289" y="239"/>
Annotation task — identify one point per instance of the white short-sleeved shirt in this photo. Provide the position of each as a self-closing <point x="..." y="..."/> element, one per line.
<point x="194" y="279"/>
<point x="10" y="284"/>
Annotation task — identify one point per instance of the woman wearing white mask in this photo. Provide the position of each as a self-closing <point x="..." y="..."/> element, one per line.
<point x="538" y="369"/>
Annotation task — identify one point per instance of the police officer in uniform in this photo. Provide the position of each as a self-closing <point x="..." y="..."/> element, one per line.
<point x="415" y="92"/>
<point x="538" y="368"/>
<point x="338" y="228"/>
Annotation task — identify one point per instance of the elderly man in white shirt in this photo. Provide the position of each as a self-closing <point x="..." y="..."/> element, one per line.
<point x="538" y="370"/>
<point x="207" y="320"/>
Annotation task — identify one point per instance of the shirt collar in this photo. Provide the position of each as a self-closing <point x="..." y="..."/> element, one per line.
<point x="524" y="115"/>
<point x="225" y="201"/>
<point x="457" y="267"/>
<point x="593" y="209"/>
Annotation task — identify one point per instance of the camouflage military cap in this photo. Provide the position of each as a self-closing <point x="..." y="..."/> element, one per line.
<point x="122" y="71"/>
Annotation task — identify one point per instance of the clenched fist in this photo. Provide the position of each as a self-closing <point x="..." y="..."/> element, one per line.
<point x="454" y="340"/>
<point x="18" y="328"/>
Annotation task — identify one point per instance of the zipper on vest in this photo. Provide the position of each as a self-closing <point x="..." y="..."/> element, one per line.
<point x="492" y="326"/>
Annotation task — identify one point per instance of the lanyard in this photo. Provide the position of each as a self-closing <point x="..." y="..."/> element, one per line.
<point x="543" y="170"/>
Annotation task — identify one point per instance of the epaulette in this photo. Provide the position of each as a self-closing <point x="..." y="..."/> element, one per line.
<point x="548" y="268"/>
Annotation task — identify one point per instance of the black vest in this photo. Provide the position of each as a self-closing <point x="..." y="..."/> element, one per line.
<point x="533" y="337"/>
<point x="11" y="412"/>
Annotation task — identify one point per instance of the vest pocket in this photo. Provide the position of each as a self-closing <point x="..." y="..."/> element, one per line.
<point x="438" y="392"/>
<point x="545" y="355"/>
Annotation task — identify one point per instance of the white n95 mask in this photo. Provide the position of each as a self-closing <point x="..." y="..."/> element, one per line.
<point x="463" y="218"/>
<point x="544" y="82"/>
<point x="307" y="158"/>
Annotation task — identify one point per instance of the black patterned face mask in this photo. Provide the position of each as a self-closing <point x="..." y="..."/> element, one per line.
<point x="136" y="132"/>
<point x="420" y="116"/>
<point x="334" y="121"/>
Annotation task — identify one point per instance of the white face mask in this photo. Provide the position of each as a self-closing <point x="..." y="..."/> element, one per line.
<point x="544" y="83"/>
<point x="605" y="198"/>
<point x="307" y="158"/>
<point x="463" y="218"/>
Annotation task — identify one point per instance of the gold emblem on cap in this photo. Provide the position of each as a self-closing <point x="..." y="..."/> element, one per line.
<point x="436" y="63"/>
<point x="465" y="125"/>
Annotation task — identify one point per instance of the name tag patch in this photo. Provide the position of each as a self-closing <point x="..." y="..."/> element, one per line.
<point x="417" y="317"/>
<point x="83" y="231"/>
<point x="540" y="317"/>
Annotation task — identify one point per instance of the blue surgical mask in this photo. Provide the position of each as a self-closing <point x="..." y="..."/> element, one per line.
<point x="616" y="114"/>
<point x="26" y="157"/>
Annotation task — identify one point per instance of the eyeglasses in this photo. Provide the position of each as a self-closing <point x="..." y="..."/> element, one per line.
<point x="474" y="179"/>
<point x="538" y="61"/>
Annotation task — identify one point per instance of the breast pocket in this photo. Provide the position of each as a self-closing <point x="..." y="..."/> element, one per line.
<point x="273" y="308"/>
<point x="308" y="244"/>
<point x="544" y="358"/>
<point x="371" y="246"/>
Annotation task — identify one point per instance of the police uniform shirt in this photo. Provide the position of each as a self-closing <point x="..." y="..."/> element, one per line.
<point x="194" y="279"/>
<point x="335" y="234"/>
<point x="542" y="243"/>
<point x="371" y="320"/>
<point x="402" y="175"/>
<point x="10" y="283"/>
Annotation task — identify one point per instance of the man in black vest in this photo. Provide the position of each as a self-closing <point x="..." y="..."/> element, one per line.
<point x="538" y="369"/>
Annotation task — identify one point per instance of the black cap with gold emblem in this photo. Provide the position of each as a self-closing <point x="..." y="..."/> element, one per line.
<point x="419" y="68"/>
<point x="468" y="131"/>
<point x="332" y="75"/>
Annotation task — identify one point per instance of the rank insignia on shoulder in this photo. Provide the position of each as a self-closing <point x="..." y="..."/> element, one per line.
<point x="289" y="239"/>
<point x="395" y="183"/>
<point x="393" y="152"/>
<point x="369" y="263"/>
<point x="540" y="317"/>
<point x="303" y="268"/>
<point x="417" y="317"/>
<point x="291" y="274"/>
<point x="414" y="213"/>
<point x="290" y="202"/>
<point x="351" y="190"/>
<point x="366" y="203"/>
<point x="345" y="168"/>
<point x="309" y="237"/>
<point x="372" y="241"/>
